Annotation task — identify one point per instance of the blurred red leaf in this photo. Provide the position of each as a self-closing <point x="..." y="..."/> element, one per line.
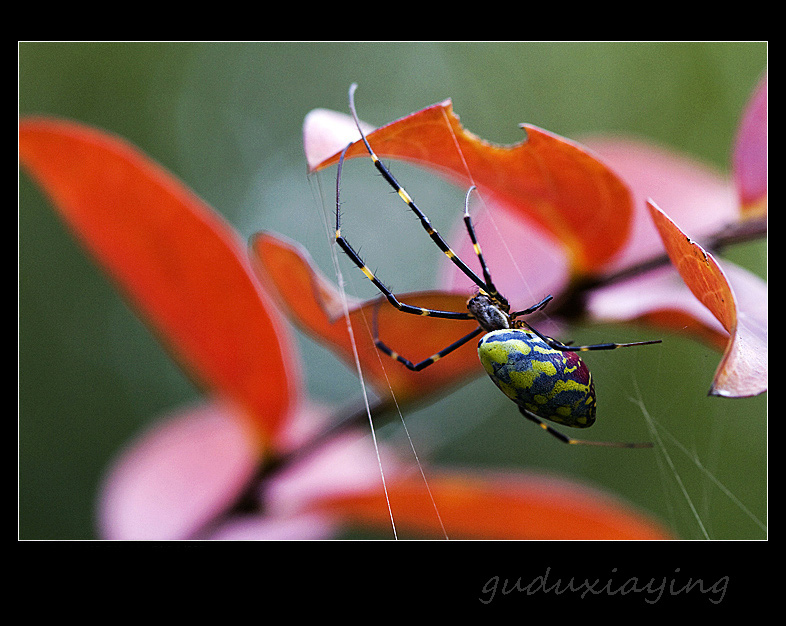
<point x="554" y="182"/>
<point x="495" y="506"/>
<point x="177" y="476"/>
<point x="315" y="305"/>
<point x="743" y="369"/>
<point x="699" y="196"/>
<point x="177" y="261"/>
<point x="750" y="155"/>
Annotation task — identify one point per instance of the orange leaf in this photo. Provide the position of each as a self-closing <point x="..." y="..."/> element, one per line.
<point x="315" y="305"/>
<point x="743" y="369"/>
<point x="496" y="506"/>
<point x="546" y="178"/>
<point x="177" y="261"/>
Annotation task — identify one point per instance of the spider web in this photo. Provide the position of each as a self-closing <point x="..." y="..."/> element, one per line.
<point x="692" y="487"/>
<point x="326" y="211"/>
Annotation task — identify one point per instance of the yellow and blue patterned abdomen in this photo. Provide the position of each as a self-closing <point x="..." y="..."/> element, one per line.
<point x="553" y="384"/>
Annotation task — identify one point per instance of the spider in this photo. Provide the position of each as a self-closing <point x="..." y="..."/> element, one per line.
<point x="544" y="377"/>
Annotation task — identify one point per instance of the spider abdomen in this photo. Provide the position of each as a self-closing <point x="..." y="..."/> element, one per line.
<point x="553" y="384"/>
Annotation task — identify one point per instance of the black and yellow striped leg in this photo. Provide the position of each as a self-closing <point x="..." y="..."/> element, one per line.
<point x="424" y="221"/>
<point x="558" y="345"/>
<point x="416" y="367"/>
<point x="584" y="442"/>
<point x="355" y="258"/>
<point x="490" y="288"/>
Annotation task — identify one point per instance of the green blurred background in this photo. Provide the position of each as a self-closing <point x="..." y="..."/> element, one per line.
<point x="226" y="118"/>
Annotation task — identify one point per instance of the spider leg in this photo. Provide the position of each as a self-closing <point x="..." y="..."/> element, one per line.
<point x="569" y="440"/>
<point x="416" y="367"/>
<point x="355" y="258"/>
<point x="490" y="288"/>
<point x="424" y="221"/>
<point x="558" y="345"/>
<point x="533" y="308"/>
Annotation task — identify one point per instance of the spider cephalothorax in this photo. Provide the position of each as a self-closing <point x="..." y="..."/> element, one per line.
<point x="490" y="313"/>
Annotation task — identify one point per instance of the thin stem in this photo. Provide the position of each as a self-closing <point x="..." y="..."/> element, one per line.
<point x="357" y="417"/>
<point x="571" y="303"/>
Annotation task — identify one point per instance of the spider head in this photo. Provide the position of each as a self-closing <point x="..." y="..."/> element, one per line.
<point x="491" y="311"/>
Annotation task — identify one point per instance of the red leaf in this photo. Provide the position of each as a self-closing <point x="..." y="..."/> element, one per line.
<point x="743" y="369"/>
<point x="546" y="178"/>
<point x="315" y="305"/>
<point x="496" y="506"/>
<point x="177" y="261"/>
